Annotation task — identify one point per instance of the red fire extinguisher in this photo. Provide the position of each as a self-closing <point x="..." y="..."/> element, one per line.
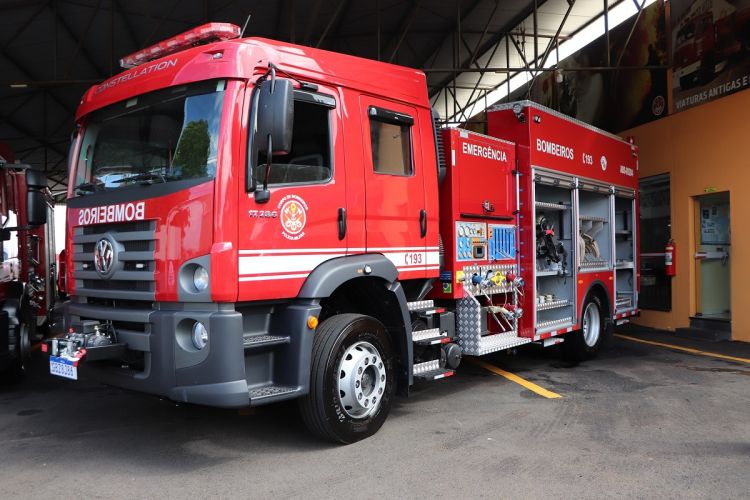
<point x="670" y="258"/>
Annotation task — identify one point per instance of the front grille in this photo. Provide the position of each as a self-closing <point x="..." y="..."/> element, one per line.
<point x="118" y="227"/>
<point x="139" y="286"/>
<point x="133" y="275"/>
<point x="121" y="304"/>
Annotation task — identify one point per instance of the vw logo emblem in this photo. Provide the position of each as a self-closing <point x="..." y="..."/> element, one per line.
<point x="104" y="256"/>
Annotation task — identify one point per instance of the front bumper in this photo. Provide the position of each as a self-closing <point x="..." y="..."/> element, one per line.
<point x="159" y="359"/>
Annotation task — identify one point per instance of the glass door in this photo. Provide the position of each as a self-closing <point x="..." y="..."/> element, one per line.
<point x="712" y="256"/>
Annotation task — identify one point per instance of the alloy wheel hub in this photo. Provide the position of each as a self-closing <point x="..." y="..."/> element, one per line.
<point x="362" y="380"/>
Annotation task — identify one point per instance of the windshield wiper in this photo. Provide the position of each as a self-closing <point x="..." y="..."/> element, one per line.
<point x="146" y="178"/>
<point x="88" y="187"/>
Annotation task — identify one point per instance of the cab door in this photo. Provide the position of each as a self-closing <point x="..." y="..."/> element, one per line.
<point x="396" y="214"/>
<point x="300" y="227"/>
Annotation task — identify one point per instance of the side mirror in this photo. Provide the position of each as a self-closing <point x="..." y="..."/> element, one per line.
<point x="36" y="200"/>
<point x="36" y="179"/>
<point x="36" y="208"/>
<point x="275" y="120"/>
<point x="275" y="117"/>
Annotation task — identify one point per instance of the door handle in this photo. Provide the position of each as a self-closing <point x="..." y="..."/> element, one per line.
<point x="423" y="223"/>
<point x="342" y="223"/>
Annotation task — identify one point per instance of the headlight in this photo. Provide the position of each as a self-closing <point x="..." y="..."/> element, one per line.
<point x="200" y="278"/>
<point x="200" y="335"/>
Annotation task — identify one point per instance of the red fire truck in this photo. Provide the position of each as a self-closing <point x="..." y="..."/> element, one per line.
<point x="708" y="34"/>
<point x="251" y="221"/>
<point x="27" y="270"/>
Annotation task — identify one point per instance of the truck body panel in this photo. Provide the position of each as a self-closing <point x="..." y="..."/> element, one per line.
<point x="574" y="161"/>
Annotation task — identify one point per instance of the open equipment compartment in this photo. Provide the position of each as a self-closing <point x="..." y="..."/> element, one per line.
<point x="555" y="252"/>
<point x="625" y="268"/>
<point x="594" y="229"/>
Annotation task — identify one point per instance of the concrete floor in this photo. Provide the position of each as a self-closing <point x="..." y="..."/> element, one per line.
<point x="640" y="421"/>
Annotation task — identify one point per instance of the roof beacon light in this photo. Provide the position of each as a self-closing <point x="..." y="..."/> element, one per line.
<point x="206" y="33"/>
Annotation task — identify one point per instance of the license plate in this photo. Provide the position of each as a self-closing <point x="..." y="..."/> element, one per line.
<point x="63" y="368"/>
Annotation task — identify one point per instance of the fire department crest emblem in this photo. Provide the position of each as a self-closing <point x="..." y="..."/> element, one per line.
<point x="293" y="216"/>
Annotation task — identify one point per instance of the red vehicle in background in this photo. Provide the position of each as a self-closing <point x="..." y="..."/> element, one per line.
<point x="251" y="221"/>
<point x="709" y="33"/>
<point x="28" y="264"/>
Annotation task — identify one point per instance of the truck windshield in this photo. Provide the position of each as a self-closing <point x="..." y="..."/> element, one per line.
<point x="163" y="136"/>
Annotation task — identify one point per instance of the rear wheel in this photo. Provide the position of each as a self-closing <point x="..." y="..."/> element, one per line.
<point x="352" y="379"/>
<point x="595" y="330"/>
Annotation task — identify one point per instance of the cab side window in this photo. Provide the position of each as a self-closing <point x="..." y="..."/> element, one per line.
<point x="309" y="161"/>
<point x="390" y="137"/>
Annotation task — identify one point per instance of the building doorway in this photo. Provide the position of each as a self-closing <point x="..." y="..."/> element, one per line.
<point x="656" y="229"/>
<point x="712" y="257"/>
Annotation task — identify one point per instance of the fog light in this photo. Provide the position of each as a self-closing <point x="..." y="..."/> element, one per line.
<point x="200" y="278"/>
<point x="200" y="335"/>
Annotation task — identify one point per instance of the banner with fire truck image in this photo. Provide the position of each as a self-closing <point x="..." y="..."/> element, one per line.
<point x="711" y="50"/>
<point x="614" y="99"/>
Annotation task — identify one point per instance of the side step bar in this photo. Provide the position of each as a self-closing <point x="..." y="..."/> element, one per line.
<point x="260" y="341"/>
<point x="271" y="394"/>
<point x="430" y="336"/>
<point x="424" y="306"/>
<point x="430" y="370"/>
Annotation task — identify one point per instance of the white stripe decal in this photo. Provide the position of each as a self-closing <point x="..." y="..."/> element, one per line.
<point x="282" y="263"/>
<point x="274" y="277"/>
<point x="411" y="259"/>
<point x="401" y="249"/>
<point x="254" y="265"/>
<point x="303" y="251"/>
<point x="300" y="251"/>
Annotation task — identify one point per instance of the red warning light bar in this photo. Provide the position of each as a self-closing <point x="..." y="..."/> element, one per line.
<point x="209" y="32"/>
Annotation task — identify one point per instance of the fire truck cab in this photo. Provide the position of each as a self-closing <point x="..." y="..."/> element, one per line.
<point x="251" y="221"/>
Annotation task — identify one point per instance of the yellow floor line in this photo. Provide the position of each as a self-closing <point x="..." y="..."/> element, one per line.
<point x="515" y="378"/>
<point x="684" y="349"/>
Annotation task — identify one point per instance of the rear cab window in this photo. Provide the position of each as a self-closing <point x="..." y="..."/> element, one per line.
<point x="390" y="137"/>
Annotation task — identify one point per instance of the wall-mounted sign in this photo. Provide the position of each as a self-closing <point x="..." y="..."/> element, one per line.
<point x="710" y="47"/>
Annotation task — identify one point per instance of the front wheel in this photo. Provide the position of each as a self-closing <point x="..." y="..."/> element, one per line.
<point x="352" y="379"/>
<point x="596" y="328"/>
<point x="20" y="348"/>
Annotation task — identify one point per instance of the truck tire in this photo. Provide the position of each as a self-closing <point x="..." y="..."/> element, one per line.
<point x="596" y="329"/>
<point x="352" y="379"/>
<point x="19" y="345"/>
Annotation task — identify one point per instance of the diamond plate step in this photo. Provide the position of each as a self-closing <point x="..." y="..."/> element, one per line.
<point x="270" y="393"/>
<point x="258" y="341"/>
<point x="552" y="341"/>
<point x="492" y="343"/>
<point x="424" y="306"/>
<point x="430" y="370"/>
<point x="421" y="304"/>
<point x="430" y="336"/>
<point x="435" y="374"/>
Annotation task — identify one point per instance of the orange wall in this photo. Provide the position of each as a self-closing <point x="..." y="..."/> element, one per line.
<point x="704" y="147"/>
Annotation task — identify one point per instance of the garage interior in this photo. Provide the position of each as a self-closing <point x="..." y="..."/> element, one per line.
<point x="659" y="412"/>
